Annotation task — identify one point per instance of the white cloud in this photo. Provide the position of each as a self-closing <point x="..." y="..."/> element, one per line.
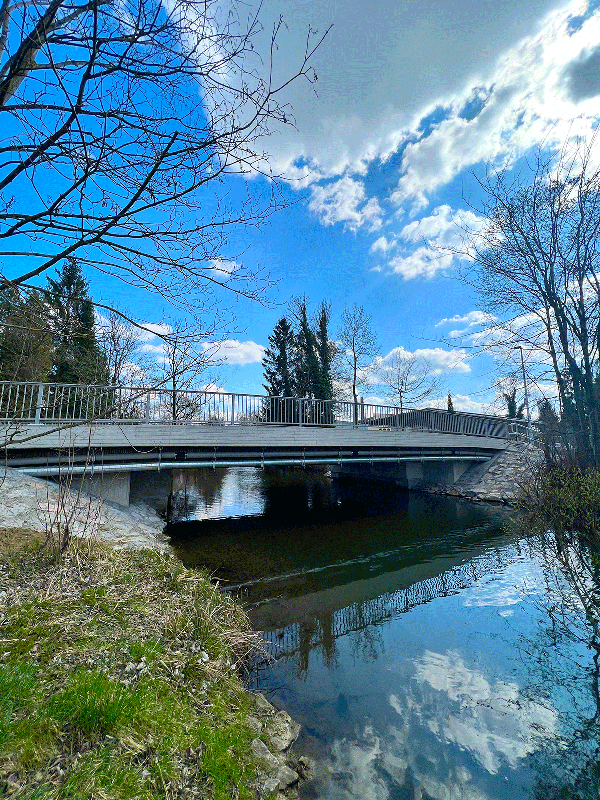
<point x="441" y="236"/>
<point x="224" y="268"/>
<point x="151" y="330"/>
<point x="441" y="361"/>
<point x="382" y="245"/>
<point x="424" y="262"/>
<point x="470" y="319"/>
<point x="345" y="201"/>
<point x="529" y="101"/>
<point x="234" y="352"/>
<point x="462" y="402"/>
<point x="373" y="86"/>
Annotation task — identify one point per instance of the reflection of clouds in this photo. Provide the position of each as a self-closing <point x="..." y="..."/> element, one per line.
<point x="489" y="718"/>
<point x="451" y="733"/>
<point x="506" y="589"/>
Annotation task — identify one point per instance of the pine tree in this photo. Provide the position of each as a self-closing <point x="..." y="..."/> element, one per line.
<point x="450" y="404"/>
<point x="77" y="356"/>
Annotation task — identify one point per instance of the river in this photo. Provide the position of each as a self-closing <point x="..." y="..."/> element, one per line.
<point x="426" y="652"/>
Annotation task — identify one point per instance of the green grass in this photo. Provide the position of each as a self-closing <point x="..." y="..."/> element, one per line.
<point x="103" y="693"/>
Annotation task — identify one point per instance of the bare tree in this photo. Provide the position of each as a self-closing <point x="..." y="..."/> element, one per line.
<point x="538" y="255"/>
<point x="358" y="347"/>
<point x="408" y="378"/>
<point x="121" y="342"/>
<point x="185" y="360"/>
<point x="117" y="118"/>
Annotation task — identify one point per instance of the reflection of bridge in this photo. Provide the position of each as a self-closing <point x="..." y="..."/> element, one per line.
<point x="103" y="430"/>
<point x="320" y="626"/>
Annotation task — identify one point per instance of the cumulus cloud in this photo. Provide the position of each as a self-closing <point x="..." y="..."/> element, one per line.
<point x="345" y="201"/>
<point x="151" y="331"/>
<point x="470" y="319"/>
<point x="382" y="245"/>
<point x="473" y="319"/>
<point x="541" y="90"/>
<point x="440" y="360"/>
<point x="234" y="352"/>
<point x="223" y="267"/>
<point x="372" y="89"/>
<point x="440" y="235"/>
<point x="463" y="402"/>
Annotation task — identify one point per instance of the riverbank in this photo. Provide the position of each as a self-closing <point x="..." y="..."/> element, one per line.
<point x="121" y="676"/>
<point x="43" y="506"/>
<point x="500" y="480"/>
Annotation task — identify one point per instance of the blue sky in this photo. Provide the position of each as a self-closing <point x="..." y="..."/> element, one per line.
<point x="412" y="98"/>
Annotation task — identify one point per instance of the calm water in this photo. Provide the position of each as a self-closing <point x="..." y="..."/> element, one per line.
<point x="412" y="637"/>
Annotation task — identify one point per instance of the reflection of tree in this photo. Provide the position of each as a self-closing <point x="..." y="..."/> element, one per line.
<point x="367" y="643"/>
<point x="568" y="764"/>
<point x="190" y="485"/>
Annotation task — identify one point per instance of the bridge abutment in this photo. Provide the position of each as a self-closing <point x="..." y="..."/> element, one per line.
<point x="112" y="487"/>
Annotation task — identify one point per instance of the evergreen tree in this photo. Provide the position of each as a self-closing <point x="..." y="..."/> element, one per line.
<point x="307" y="342"/>
<point x="77" y="356"/>
<point x="325" y="350"/>
<point x="278" y="361"/>
<point x="512" y="410"/>
<point x="25" y="341"/>
<point x="450" y="404"/>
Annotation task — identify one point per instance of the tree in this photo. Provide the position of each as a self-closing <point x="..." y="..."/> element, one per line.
<point x="185" y="359"/>
<point x="277" y="361"/>
<point x="277" y="364"/>
<point x="117" y="117"/>
<point x="77" y="356"/>
<point x="450" y="404"/>
<point x="538" y="257"/>
<point x="26" y="349"/>
<point x="408" y="378"/>
<point x="513" y="410"/>
<point x="358" y="348"/>
<point x="121" y="345"/>
<point x="308" y="347"/>
<point x="326" y="351"/>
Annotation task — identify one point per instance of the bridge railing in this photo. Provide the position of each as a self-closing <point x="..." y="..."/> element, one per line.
<point x="40" y="403"/>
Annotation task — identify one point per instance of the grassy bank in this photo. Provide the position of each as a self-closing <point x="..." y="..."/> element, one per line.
<point x="119" y="678"/>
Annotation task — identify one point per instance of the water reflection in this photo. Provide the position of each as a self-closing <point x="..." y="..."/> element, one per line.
<point x="412" y="640"/>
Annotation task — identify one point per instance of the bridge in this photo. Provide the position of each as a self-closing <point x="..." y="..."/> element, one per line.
<point x="105" y="433"/>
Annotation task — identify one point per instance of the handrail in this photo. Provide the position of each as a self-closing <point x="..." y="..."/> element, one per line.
<point x="55" y="403"/>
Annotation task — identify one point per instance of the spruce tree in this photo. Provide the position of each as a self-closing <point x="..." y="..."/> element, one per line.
<point x="325" y="352"/>
<point x="25" y="341"/>
<point x="77" y="356"/>
<point x="278" y="361"/>
<point x="309" y="346"/>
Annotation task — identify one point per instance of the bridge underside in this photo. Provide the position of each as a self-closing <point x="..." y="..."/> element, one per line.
<point x="106" y="455"/>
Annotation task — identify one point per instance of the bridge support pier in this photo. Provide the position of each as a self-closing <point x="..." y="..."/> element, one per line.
<point x="408" y="474"/>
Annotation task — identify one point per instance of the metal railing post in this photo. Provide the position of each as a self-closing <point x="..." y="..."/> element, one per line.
<point x="39" y="403"/>
<point x="233" y="409"/>
<point x="148" y="407"/>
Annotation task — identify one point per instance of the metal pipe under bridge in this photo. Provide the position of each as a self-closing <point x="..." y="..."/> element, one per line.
<point x="97" y="431"/>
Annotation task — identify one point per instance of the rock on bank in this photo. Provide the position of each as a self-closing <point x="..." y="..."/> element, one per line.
<point x="43" y="506"/>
